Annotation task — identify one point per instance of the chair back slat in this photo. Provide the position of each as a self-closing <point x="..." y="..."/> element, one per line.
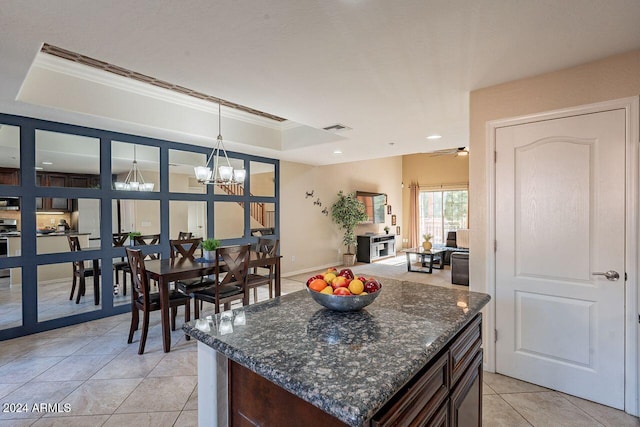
<point x="184" y="248"/>
<point x="236" y="263"/>
<point x="138" y="274"/>
<point x="148" y="239"/>
<point x="74" y="246"/>
<point x="74" y="243"/>
<point x="119" y="239"/>
<point x="267" y="248"/>
<point x="184" y="235"/>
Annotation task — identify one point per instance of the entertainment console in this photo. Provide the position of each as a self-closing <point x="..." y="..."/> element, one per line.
<point x="372" y="247"/>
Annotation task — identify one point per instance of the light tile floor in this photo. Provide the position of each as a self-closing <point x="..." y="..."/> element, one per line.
<point x="104" y="382"/>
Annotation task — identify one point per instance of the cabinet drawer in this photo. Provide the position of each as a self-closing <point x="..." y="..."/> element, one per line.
<point x="465" y="403"/>
<point x="418" y="401"/>
<point x="464" y="348"/>
<point x="440" y="419"/>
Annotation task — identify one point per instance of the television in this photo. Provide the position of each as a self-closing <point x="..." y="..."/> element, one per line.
<point x="374" y="204"/>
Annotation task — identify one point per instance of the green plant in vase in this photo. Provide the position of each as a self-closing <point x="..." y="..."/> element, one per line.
<point x="209" y="247"/>
<point x="348" y="212"/>
<point x="386" y="229"/>
<point x="132" y="237"/>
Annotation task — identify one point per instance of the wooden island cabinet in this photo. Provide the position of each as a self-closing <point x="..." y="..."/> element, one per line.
<point x="395" y="363"/>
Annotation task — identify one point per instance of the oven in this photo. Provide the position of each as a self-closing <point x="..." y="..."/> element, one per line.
<point x="8" y="227"/>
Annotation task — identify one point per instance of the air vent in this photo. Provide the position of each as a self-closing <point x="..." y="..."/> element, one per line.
<point x="337" y="128"/>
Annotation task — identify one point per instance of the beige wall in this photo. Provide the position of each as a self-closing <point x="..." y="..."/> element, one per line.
<point x="430" y="170"/>
<point x="610" y="78"/>
<point x="313" y="238"/>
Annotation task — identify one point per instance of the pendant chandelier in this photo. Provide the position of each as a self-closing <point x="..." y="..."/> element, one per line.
<point x="134" y="180"/>
<point x="219" y="173"/>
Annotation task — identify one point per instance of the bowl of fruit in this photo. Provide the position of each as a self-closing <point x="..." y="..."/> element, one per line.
<point x="342" y="291"/>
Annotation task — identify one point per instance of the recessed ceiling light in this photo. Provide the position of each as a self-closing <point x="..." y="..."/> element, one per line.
<point x="47" y="163"/>
<point x="337" y="152"/>
<point x="435" y="136"/>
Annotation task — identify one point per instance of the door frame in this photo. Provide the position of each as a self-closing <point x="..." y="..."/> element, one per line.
<point x="632" y="215"/>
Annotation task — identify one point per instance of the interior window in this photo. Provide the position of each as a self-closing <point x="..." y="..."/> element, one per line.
<point x="441" y="212"/>
<point x="9" y="155"/>
<point x="135" y="167"/>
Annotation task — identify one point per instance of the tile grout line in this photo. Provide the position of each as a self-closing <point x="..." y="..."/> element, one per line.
<point x="512" y="407"/>
<point x="580" y="409"/>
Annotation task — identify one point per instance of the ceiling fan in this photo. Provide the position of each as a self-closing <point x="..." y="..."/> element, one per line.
<point x="460" y="151"/>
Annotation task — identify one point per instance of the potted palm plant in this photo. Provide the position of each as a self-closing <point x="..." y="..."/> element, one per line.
<point x="209" y="247"/>
<point x="348" y="212"/>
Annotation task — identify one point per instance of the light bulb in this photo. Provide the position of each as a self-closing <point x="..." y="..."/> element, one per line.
<point x="239" y="175"/>
<point x="226" y="172"/>
<point x="202" y="173"/>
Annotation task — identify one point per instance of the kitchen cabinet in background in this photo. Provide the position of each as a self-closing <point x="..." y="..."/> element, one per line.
<point x="9" y="176"/>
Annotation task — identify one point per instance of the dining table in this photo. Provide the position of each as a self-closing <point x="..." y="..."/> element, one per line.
<point x="164" y="272"/>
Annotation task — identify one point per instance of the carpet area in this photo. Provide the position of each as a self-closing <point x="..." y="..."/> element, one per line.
<point x="394" y="268"/>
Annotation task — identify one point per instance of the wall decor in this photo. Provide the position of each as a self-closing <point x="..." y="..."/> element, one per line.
<point x="397" y="230"/>
<point x="388" y="209"/>
<point x="393" y="220"/>
<point x="317" y="202"/>
<point x="308" y="194"/>
<point x="325" y="211"/>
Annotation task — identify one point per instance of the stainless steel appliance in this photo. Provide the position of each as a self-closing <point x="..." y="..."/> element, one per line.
<point x="8" y="228"/>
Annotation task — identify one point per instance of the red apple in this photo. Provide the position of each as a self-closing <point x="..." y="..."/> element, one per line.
<point x="341" y="291"/>
<point x="371" y="286"/>
<point x="346" y="272"/>
<point x="340" y="282"/>
<point x="362" y="279"/>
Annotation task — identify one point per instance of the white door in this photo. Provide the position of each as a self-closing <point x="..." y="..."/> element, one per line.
<point x="560" y="218"/>
<point x="196" y="219"/>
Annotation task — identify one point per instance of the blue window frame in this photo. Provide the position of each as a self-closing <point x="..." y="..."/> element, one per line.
<point x="30" y="262"/>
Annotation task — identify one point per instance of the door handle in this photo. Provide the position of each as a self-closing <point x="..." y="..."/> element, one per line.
<point x="610" y="275"/>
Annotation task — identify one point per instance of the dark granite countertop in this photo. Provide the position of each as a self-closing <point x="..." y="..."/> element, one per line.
<point x="347" y="364"/>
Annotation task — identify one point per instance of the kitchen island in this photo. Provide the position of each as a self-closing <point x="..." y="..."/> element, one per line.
<point x="414" y="354"/>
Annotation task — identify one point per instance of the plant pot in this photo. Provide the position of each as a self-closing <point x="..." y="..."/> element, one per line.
<point x="426" y="246"/>
<point x="348" y="259"/>
<point x="209" y="255"/>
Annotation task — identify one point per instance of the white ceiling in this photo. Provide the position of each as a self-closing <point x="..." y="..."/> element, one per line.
<point x="393" y="71"/>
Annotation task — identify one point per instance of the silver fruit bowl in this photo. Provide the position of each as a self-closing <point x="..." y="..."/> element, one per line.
<point x="344" y="302"/>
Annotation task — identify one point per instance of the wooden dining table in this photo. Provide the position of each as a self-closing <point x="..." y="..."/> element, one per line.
<point x="164" y="272"/>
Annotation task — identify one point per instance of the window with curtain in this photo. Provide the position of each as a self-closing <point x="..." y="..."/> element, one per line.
<point x="442" y="211"/>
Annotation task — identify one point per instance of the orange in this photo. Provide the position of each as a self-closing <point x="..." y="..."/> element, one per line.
<point x="317" y="285"/>
<point x="356" y="287"/>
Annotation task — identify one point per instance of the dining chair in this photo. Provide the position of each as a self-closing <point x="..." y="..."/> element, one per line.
<point x="265" y="248"/>
<point x="148" y="239"/>
<point x="234" y="260"/>
<point x="81" y="272"/>
<point x="142" y="299"/>
<point x="186" y="249"/>
<point x="119" y="240"/>
<point x="182" y="235"/>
